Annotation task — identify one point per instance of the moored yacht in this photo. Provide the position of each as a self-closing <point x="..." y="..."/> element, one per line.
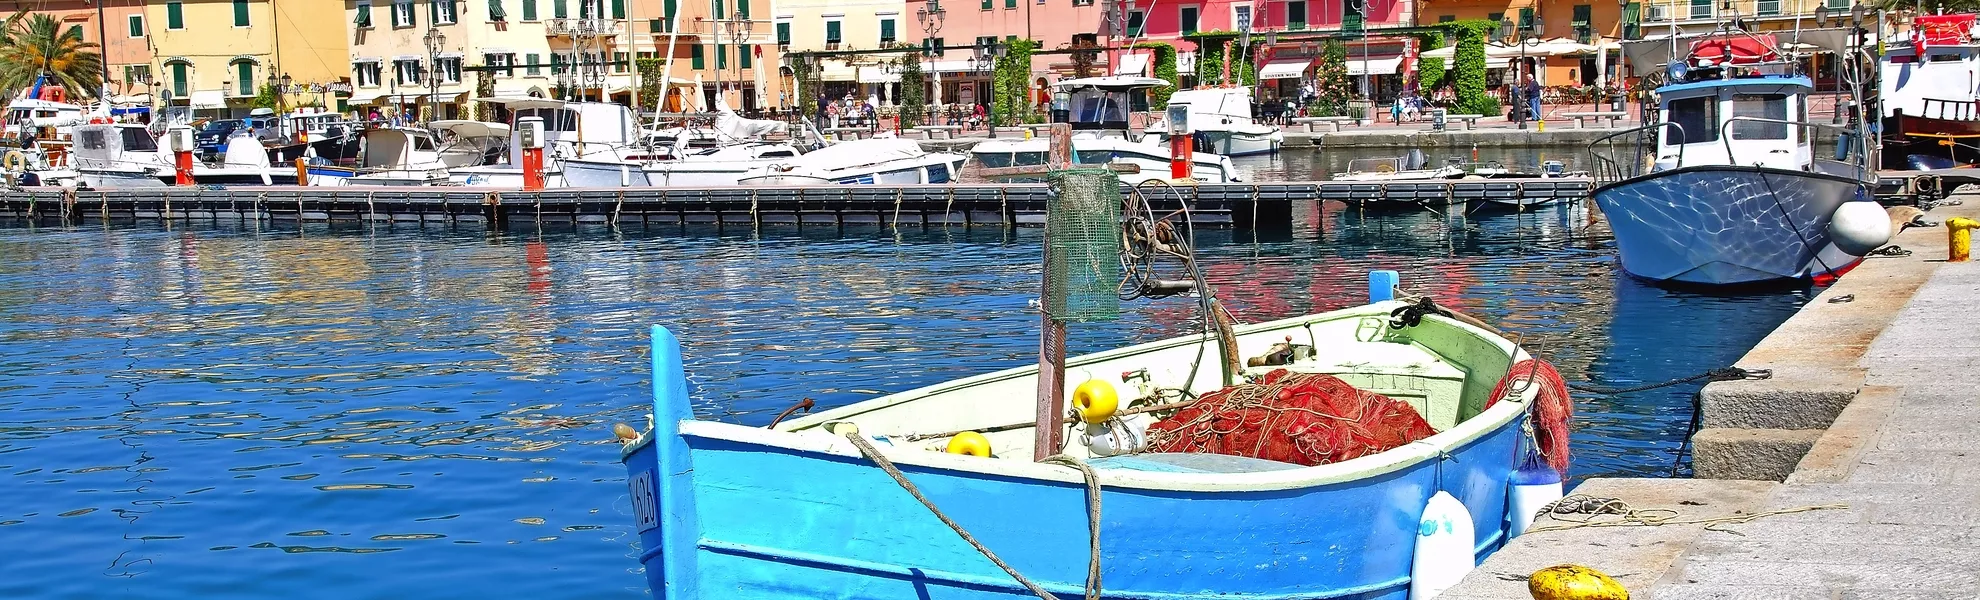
<point x="1098" y="109"/>
<point x="1222" y="122"/>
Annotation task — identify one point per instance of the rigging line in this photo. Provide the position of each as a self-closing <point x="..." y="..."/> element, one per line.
<point x="1776" y="197"/>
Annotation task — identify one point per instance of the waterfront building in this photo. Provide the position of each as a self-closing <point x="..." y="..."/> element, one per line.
<point x="212" y="57"/>
<point x="731" y="49"/>
<point x="842" y="26"/>
<point x="962" y="34"/>
<point x="119" y="26"/>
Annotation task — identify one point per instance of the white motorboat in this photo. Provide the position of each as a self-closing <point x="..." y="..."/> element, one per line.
<point x="124" y="155"/>
<point x="471" y="143"/>
<point x="393" y="156"/>
<point x="571" y="130"/>
<point x="1222" y="121"/>
<point x="887" y="161"/>
<point x="24" y="114"/>
<point x="1098" y="113"/>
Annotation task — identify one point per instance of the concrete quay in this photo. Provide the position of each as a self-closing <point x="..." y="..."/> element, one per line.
<point x="1872" y="411"/>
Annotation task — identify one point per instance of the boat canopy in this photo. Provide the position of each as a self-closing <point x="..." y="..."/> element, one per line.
<point x="1111" y="83"/>
<point x="471" y="129"/>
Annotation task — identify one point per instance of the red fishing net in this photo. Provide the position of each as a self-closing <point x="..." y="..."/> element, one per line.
<point x="1551" y="407"/>
<point x="1300" y="418"/>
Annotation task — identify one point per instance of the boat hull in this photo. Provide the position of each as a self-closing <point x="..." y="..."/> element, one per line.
<point x="1722" y="225"/>
<point x="759" y="513"/>
<point x="1906" y="135"/>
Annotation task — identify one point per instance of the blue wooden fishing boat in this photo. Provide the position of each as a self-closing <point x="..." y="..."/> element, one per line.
<point x="800" y="510"/>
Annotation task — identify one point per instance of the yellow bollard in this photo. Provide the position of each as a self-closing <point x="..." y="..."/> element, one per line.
<point x="1959" y="238"/>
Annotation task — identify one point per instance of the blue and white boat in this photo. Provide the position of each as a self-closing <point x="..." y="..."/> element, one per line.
<point x="1734" y="193"/>
<point x="797" y="510"/>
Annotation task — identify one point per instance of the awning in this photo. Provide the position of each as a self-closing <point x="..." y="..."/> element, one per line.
<point x="831" y="72"/>
<point x="130" y="110"/>
<point x="440" y="98"/>
<point x="139" y="98"/>
<point x="1379" y="66"/>
<point x="1284" y="68"/>
<point x="949" y="66"/>
<point x="877" y="75"/>
<point x="364" y="96"/>
<point x="208" y="99"/>
<point x="1137" y="64"/>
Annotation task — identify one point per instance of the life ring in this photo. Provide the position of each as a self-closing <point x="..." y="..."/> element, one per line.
<point x="15" y="161"/>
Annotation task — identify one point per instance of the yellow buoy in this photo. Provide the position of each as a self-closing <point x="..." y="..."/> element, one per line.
<point x="1574" y="582"/>
<point x="1096" y="401"/>
<point x="624" y="431"/>
<point x="971" y="443"/>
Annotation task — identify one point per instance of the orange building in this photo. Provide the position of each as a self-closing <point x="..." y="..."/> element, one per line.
<point x="118" y="25"/>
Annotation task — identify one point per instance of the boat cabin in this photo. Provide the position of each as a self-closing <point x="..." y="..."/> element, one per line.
<point x="114" y="145"/>
<point x="29" y="113"/>
<point x="1101" y="103"/>
<point x="1937" y="75"/>
<point x="572" y="129"/>
<point x="399" y="148"/>
<point x="1720" y="81"/>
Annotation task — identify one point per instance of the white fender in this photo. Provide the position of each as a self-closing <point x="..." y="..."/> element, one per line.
<point x="1444" y="552"/>
<point x="1859" y="226"/>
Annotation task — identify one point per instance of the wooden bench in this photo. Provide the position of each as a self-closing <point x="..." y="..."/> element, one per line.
<point x="1470" y="121"/>
<point x="849" y="133"/>
<point x="1581" y="118"/>
<point x="1310" y="123"/>
<point x="939" y="132"/>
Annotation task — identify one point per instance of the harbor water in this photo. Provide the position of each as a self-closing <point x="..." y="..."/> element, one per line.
<point x="351" y="411"/>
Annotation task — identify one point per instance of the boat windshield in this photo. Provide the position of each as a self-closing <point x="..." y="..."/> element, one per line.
<point x="1764" y="106"/>
<point x="1094" y="108"/>
<point x="554" y="119"/>
<point x="1698" y="116"/>
<point x="136" y="139"/>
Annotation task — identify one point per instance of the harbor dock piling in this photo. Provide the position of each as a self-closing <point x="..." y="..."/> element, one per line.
<point x="1868" y="427"/>
<point x="1265" y="206"/>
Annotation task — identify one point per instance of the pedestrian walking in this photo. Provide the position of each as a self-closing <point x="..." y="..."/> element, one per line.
<point x="1532" y="90"/>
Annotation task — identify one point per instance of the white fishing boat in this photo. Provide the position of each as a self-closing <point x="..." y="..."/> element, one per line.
<point x="25" y="114"/>
<point x="1097" y="108"/>
<point x="471" y="143"/>
<point x="1222" y="122"/>
<point x="1736" y="193"/>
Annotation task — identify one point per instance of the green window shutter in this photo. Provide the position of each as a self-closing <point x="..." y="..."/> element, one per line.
<point x="721" y="56"/>
<point x="532" y="69"/>
<point x="743" y="55"/>
<point x="244" y="78"/>
<point x="887" y="30"/>
<point x="742" y="8"/>
<point x="137" y="26"/>
<point x="671" y="7"/>
<point x="179" y="79"/>
<point x="783" y="34"/>
<point x="175" y="15"/>
<point x="584" y="9"/>
<point x="831" y="32"/>
<point x="1526" y="18"/>
<point x="75" y="31"/>
<point x="495" y="12"/>
<point x="694" y="57"/>
<point x="718" y="10"/>
<point x="240" y="13"/>
<point x="986" y="4"/>
<point x="556" y="64"/>
<point x="1010" y="3"/>
<point x="363" y="15"/>
<point x="529" y="10"/>
<point x="1632" y="20"/>
<point x="653" y="26"/>
<point x="559" y="9"/>
<point x="433" y="11"/>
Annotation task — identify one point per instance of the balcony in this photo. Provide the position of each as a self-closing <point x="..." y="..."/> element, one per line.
<point x="582" y="27"/>
<point x="1713" y="10"/>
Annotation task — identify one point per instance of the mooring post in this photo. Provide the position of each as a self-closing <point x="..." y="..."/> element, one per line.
<point x="1052" y="333"/>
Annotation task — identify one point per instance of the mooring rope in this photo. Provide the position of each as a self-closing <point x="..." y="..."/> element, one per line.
<point x="1629" y="516"/>
<point x="900" y="478"/>
<point x="1719" y="374"/>
<point x="1092" y="520"/>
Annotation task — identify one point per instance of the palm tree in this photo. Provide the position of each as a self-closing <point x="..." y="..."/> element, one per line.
<point x="36" y="45"/>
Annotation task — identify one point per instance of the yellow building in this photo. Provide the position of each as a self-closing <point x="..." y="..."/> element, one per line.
<point x="830" y="25"/>
<point x="213" y="56"/>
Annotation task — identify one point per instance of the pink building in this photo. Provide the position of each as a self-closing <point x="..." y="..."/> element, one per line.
<point x="966" y="25"/>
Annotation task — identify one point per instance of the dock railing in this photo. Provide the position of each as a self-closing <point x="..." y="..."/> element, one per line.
<point x="1951" y="110"/>
<point x="1608" y="168"/>
<point x="1725" y="137"/>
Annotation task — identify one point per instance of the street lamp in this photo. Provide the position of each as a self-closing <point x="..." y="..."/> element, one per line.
<point x="738" y="28"/>
<point x="434" y="42"/>
<point x="930" y="16"/>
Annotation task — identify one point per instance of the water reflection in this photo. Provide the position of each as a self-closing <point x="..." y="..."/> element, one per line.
<point x="176" y="398"/>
